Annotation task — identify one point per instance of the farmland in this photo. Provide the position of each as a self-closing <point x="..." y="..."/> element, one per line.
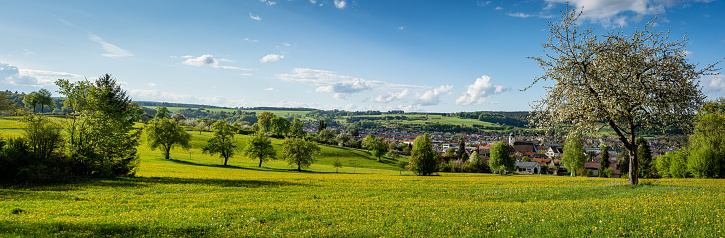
<point x="193" y="195"/>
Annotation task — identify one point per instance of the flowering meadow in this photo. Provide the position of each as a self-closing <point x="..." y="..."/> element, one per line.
<point x="192" y="195"/>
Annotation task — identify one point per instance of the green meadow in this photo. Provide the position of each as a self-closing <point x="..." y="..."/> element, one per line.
<point x="193" y="195"/>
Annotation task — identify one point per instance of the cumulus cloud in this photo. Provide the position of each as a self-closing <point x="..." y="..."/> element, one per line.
<point x="432" y="97"/>
<point x="389" y="97"/>
<point x="340" y="85"/>
<point x="255" y="17"/>
<point x="29" y="77"/>
<point x="714" y="84"/>
<point x="271" y="58"/>
<point x="340" y="4"/>
<point x="619" y="12"/>
<point x="479" y="91"/>
<point x="208" y="60"/>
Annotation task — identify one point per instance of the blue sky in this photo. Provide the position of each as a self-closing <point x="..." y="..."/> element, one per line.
<point x="440" y="56"/>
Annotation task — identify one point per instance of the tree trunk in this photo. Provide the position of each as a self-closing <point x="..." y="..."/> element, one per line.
<point x="225" y="161"/>
<point x="632" y="151"/>
<point x="260" y="162"/>
<point x="168" y="151"/>
<point x="299" y="167"/>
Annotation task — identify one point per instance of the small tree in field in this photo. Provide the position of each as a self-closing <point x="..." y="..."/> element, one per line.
<point x="423" y="159"/>
<point x="166" y="133"/>
<point x="260" y="146"/>
<point x="376" y="145"/>
<point x="337" y="164"/>
<point x="573" y="158"/>
<point x="299" y="152"/>
<point x="222" y="142"/>
<point x="500" y="160"/>
<point x="628" y="82"/>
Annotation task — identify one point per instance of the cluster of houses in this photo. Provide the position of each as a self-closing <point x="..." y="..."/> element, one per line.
<point x="534" y="154"/>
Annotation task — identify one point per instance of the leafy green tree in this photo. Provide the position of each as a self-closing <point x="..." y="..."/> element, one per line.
<point x="604" y="162"/>
<point x="644" y="155"/>
<point x="629" y="82"/>
<point x="376" y="145"/>
<point x="299" y="152"/>
<point x="280" y="126"/>
<point x="44" y="98"/>
<point x="450" y="152"/>
<point x="43" y="136"/>
<point x="573" y="158"/>
<point x="260" y="147"/>
<point x="222" y="142"/>
<point x="264" y="121"/>
<point x="500" y="160"/>
<point x="461" y="151"/>
<point x="297" y="129"/>
<point x="707" y="143"/>
<point x="31" y="100"/>
<point x="423" y="159"/>
<point x="162" y="112"/>
<point x="678" y="164"/>
<point x="164" y="134"/>
<point x="525" y="159"/>
<point x="100" y="133"/>
<point x="327" y="135"/>
<point x="178" y="117"/>
<point x="663" y="164"/>
<point x="321" y="126"/>
<point x="6" y="104"/>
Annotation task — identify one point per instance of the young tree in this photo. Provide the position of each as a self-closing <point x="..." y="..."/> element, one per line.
<point x="461" y="151"/>
<point x="644" y="155"/>
<point x="264" y="121"/>
<point x="299" y="152"/>
<point x="663" y="164"/>
<point x="165" y="133"/>
<point x="44" y="98"/>
<point x="31" y="100"/>
<point x="573" y="159"/>
<point x="376" y="145"/>
<point x="337" y="164"/>
<point x="260" y="147"/>
<point x="500" y="160"/>
<point x="222" y="142"/>
<point x="628" y="82"/>
<point x="43" y="135"/>
<point x="423" y="159"/>
<point x="604" y="163"/>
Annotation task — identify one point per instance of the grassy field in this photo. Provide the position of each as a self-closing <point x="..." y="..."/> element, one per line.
<point x="192" y="195"/>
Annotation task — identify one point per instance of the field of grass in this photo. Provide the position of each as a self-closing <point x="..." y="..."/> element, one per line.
<point x="192" y="195"/>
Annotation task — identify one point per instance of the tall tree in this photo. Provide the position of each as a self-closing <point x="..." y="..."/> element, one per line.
<point x="628" y="82"/>
<point x="280" y="126"/>
<point x="299" y="152"/>
<point x="707" y="142"/>
<point x="6" y="104"/>
<point x="165" y="133"/>
<point x="162" y="112"/>
<point x="260" y="147"/>
<point x="423" y="159"/>
<point x="297" y="129"/>
<point x="500" y="160"/>
<point x="573" y="158"/>
<point x="222" y="142"/>
<point x="322" y="126"/>
<point x="604" y="162"/>
<point x="44" y="98"/>
<point x="644" y="155"/>
<point x="264" y="121"/>
<point x="100" y="131"/>
<point x="461" y="151"/>
<point x="31" y="100"/>
<point x="375" y="145"/>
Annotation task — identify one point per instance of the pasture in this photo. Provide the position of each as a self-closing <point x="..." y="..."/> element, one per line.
<point x="192" y="195"/>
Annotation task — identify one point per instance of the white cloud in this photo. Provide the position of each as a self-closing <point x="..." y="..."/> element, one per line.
<point x="483" y="4"/>
<point x="269" y="89"/>
<point x="112" y="50"/>
<point x="255" y="17"/>
<point x="432" y="97"/>
<point x="479" y="91"/>
<point x="250" y="40"/>
<point x="210" y="61"/>
<point x="498" y="8"/>
<point x="27" y="52"/>
<point x="619" y="12"/>
<point x="269" y="3"/>
<point x="714" y="83"/>
<point x="342" y="86"/>
<point x="389" y="97"/>
<point x="313" y="1"/>
<point x="29" y="77"/>
<point x="271" y="58"/>
<point x="520" y="14"/>
<point x="340" y="4"/>
<point x="287" y="44"/>
<point x="401" y="28"/>
<point x="152" y="85"/>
